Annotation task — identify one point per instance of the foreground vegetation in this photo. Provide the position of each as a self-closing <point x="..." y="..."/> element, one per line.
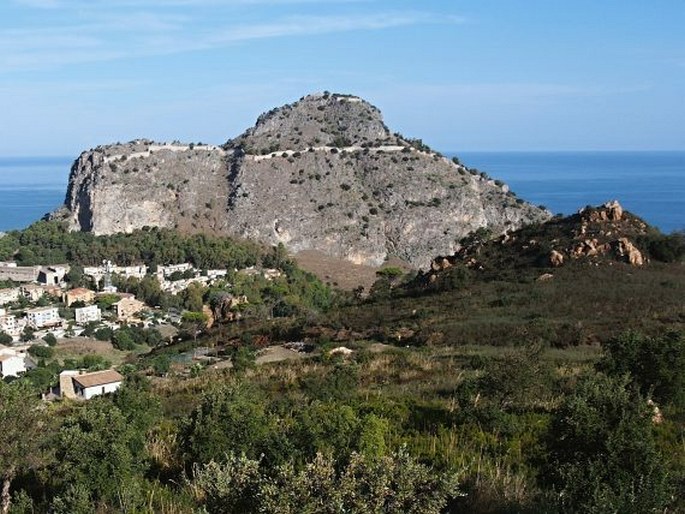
<point x="477" y="393"/>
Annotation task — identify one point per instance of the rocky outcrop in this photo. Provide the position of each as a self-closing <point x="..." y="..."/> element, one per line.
<point x="324" y="174"/>
<point x="604" y="235"/>
<point x="628" y="251"/>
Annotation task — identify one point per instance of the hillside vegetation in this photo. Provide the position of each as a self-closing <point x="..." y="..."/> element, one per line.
<point x="498" y="381"/>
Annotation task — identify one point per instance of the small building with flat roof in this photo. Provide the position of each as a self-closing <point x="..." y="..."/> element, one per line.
<point x="85" y="315"/>
<point x="12" y="364"/>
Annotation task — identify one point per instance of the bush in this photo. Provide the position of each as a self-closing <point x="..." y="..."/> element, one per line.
<point x="666" y="248"/>
<point x="602" y="454"/>
<point x="229" y="419"/>
<point x="50" y="339"/>
<point x="103" y="334"/>
<point x="122" y="340"/>
<point x="394" y="483"/>
<point x="41" y="352"/>
<point x="656" y="364"/>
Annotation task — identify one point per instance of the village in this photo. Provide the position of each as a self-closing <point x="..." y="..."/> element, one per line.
<point x="43" y="306"/>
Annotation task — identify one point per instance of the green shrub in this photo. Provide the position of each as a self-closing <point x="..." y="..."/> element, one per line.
<point x="656" y="364"/>
<point x="50" y="339"/>
<point x="41" y="352"/>
<point x="665" y="248"/>
<point x="602" y="454"/>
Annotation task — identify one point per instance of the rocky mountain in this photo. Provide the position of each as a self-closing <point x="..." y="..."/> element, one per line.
<point x="603" y="235"/>
<point x="323" y="174"/>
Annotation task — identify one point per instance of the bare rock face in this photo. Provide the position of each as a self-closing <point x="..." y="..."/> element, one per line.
<point x="628" y="251"/>
<point x="324" y="174"/>
<point x="120" y="188"/>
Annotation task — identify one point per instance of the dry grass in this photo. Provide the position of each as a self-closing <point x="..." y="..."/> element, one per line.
<point x="78" y="347"/>
<point x="340" y="272"/>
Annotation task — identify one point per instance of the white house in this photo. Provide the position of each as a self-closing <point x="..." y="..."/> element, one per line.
<point x="12" y="364"/>
<point x="53" y="275"/>
<point x="87" y="314"/>
<point x="9" y="295"/>
<point x="216" y="273"/>
<point x="9" y="324"/>
<point x="165" y="271"/>
<point x="77" y="384"/>
<point x="43" y="317"/>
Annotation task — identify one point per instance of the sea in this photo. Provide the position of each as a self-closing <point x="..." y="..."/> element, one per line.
<point x="649" y="184"/>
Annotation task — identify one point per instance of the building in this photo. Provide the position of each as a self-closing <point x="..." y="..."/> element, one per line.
<point x="78" y="384"/>
<point x="9" y="324"/>
<point x="53" y="275"/>
<point x="96" y="273"/>
<point x="9" y="295"/>
<point x="12" y="364"/>
<point x="165" y="271"/>
<point x="127" y="308"/>
<point x="87" y="314"/>
<point x="10" y="271"/>
<point x="216" y="273"/>
<point x="32" y="292"/>
<point x="79" y="294"/>
<point x="43" y="317"/>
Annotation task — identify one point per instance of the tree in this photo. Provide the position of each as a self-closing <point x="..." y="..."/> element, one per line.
<point x="192" y="297"/>
<point x="21" y="426"/>
<point x="99" y="450"/>
<point x="161" y="365"/>
<point x="194" y="322"/>
<point x="41" y="352"/>
<point x="278" y="258"/>
<point x="5" y="338"/>
<point x="122" y="340"/>
<point x="243" y="358"/>
<point x="656" y="364"/>
<point x="103" y="334"/>
<point x="75" y="276"/>
<point x="50" y="339"/>
<point x="229" y="419"/>
<point x="602" y="453"/>
<point x="27" y="333"/>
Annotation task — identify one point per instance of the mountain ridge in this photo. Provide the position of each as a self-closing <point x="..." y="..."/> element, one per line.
<point x="324" y="173"/>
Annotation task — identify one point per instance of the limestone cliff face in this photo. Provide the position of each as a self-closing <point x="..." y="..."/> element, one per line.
<point x="324" y="173"/>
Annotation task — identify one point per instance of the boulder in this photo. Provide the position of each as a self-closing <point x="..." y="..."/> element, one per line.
<point x="627" y="251"/>
<point x="556" y="259"/>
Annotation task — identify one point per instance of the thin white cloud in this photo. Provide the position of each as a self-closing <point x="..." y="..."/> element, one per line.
<point x="143" y="4"/>
<point x="514" y="92"/>
<point x="150" y="34"/>
<point x="312" y="25"/>
<point x="40" y="4"/>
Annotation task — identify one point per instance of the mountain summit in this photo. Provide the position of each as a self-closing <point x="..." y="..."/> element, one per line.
<point x="323" y="173"/>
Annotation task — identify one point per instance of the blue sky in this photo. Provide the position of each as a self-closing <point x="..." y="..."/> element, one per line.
<point x="478" y="75"/>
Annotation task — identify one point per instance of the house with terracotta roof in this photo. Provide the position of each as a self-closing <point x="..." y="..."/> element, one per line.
<point x="79" y="294"/>
<point x="78" y="384"/>
<point x="127" y="308"/>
